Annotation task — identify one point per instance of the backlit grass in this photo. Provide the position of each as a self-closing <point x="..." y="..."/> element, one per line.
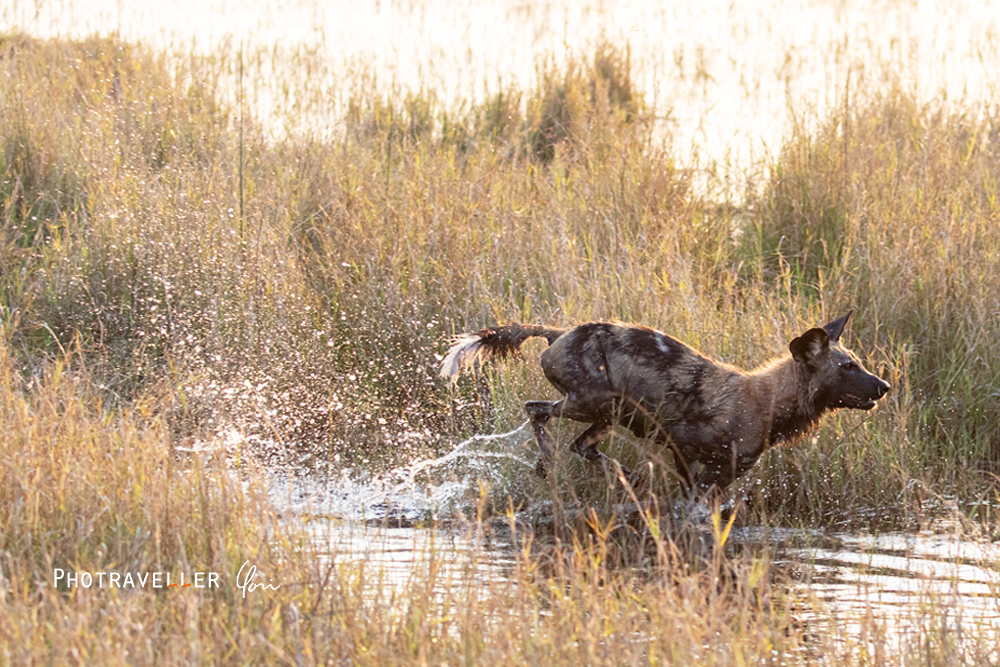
<point x="170" y="271"/>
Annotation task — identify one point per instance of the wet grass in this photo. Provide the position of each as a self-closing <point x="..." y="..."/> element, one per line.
<point x="170" y="271"/>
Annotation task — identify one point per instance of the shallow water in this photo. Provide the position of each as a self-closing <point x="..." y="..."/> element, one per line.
<point x="905" y="582"/>
<point x="396" y="557"/>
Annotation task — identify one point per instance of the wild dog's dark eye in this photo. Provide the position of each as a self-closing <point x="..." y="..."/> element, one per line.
<point x="849" y="366"/>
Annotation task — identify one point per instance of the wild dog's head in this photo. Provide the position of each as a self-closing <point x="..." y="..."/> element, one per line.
<point x="837" y="379"/>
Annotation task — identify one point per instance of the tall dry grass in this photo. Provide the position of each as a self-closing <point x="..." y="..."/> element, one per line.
<point x="167" y="271"/>
<point x="299" y="289"/>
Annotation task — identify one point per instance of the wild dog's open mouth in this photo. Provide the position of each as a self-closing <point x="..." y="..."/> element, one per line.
<point x="856" y="402"/>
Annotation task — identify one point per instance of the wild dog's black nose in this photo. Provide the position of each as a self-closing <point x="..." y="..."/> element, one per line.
<point x="882" y="387"/>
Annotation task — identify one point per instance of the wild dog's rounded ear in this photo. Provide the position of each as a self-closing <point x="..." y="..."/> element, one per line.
<point x="835" y="328"/>
<point x="809" y="345"/>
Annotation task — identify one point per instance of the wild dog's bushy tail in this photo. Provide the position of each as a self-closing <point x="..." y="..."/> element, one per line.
<point x="491" y="342"/>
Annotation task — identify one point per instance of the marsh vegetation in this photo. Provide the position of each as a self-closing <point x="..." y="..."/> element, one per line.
<point x="193" y="306"/>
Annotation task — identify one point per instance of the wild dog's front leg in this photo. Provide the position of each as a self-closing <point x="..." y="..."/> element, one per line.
<point x="720" y="473"/>
<point x="586" y="443"/>
<point x="586" y="446"/>
<point x="540" y="412"/>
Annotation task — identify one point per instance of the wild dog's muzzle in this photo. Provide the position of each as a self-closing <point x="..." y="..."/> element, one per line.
<point x="866" y="401"/>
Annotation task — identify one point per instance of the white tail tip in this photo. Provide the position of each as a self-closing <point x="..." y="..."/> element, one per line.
<point x="463" y="352"/>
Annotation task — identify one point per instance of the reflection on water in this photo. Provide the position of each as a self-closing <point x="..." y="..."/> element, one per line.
<point x="905" y="582"/>
<point x="398" y="556"/>
<point x="841" y="581"/>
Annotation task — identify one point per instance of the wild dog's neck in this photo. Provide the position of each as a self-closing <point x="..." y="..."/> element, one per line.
<point x="795" y="412"/>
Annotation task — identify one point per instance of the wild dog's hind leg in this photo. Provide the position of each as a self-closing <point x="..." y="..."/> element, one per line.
<point x="585" y="444"/>
<point x="569" y="408"/>
<point x="540" y="412"/>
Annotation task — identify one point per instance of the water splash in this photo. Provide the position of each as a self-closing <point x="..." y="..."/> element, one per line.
<point x="460" y="450"/>
<point x="396" y="495"/>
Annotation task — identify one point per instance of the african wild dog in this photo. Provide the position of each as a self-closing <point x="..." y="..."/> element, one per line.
<point x="707" y="412"/>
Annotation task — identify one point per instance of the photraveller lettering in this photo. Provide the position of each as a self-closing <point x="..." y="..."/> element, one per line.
<point x="132" y="579"/>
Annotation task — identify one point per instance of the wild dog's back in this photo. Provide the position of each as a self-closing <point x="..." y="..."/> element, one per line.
<point x="642" y="366"/>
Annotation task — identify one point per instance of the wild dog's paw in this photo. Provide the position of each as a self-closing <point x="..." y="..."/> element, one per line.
<point x="641" y="478"/>
<point x="614" y="466"/>
<point x="543" y="467"/>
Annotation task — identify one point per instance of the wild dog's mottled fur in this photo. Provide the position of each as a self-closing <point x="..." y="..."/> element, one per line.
<point x="714" y="416"/>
